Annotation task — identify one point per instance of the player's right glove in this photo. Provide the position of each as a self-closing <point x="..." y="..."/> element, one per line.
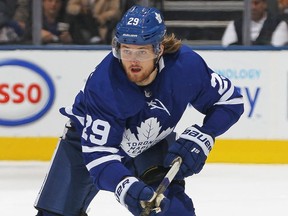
<point x="134" y="195"/>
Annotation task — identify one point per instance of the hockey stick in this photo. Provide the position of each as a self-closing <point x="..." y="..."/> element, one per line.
<point x="163" y="186"/>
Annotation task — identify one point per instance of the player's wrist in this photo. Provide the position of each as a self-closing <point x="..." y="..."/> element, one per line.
<point x="122" y="188"/>
<point x="195" y="134"/>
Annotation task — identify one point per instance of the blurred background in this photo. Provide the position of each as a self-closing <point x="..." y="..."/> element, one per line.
<point x="196" y="22"/>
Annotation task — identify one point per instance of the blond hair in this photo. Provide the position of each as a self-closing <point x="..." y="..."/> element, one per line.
<point x="171" y="43"/>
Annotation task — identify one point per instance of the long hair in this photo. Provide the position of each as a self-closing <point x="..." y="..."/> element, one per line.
<point x="171" y="43"/>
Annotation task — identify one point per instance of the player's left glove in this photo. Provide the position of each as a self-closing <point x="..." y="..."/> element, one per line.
<point x="135" y="195"/>
<point x="193" y="146"/>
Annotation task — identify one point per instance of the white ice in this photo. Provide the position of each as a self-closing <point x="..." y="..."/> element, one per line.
<point x="219" y="190"/>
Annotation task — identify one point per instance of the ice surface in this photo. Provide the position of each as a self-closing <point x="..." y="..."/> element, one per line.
<point x="219" y="190"/>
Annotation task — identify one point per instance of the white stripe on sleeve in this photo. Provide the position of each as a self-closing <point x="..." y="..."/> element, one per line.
<point x="231" y="102"/>
<point x="101" y="160"/>
<point x="68" y="110"/>
<point x="87" y="149"/>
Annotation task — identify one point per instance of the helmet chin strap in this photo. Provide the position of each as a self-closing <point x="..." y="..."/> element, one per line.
<point x="156" y="62"/>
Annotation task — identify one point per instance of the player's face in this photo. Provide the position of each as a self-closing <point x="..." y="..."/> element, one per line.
<point x="138" y="62"/>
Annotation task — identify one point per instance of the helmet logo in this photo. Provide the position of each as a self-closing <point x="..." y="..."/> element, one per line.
<point x="130" y="35"/>
<point x="158" y="17"/>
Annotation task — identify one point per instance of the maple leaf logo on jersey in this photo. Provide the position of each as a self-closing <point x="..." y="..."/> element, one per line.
<point x="147" y="136"/>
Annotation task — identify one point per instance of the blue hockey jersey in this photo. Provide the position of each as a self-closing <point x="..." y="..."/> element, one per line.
<point x="119" y="119"/>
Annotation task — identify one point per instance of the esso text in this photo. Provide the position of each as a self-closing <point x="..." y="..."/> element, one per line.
<point x="18" y="93"/>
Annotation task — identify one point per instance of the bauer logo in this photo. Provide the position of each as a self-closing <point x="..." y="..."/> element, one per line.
<point x="26" y="92"/>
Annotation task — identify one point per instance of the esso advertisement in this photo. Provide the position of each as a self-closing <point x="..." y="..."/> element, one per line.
<point x="26" y="92"/>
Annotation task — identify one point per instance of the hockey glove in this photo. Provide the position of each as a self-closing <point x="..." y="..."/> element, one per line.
<point x="135" y="194"/>
<point x="193" y="146"/>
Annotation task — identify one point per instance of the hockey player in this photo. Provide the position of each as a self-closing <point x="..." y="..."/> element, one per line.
<point x="120" y="134"/>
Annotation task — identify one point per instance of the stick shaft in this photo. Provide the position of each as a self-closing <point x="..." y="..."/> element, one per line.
<point x="163" y="185"/>
<point x="169" y="176"/>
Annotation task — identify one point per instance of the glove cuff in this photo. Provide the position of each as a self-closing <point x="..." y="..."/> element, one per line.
<point x="204" y="140"/>
<point x="122" y="188"/>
